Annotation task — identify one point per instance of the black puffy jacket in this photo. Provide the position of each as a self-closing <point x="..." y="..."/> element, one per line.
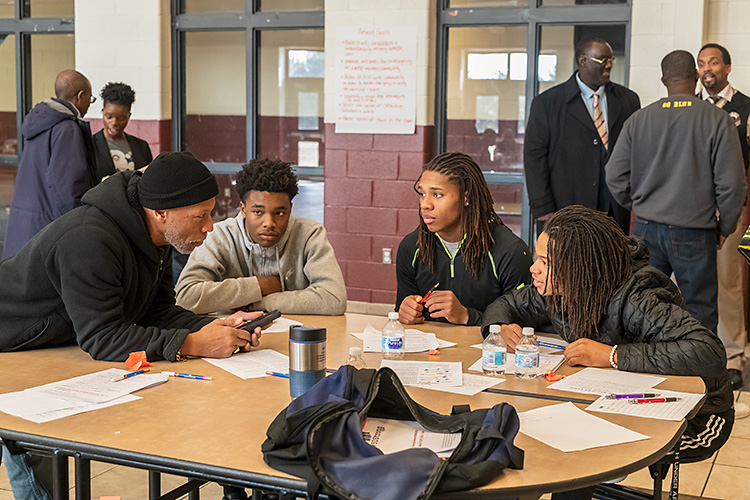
<point x="647" y="319"/>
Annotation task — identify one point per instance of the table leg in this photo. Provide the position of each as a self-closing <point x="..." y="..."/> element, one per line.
<point x="154" y="485"/>
<point x="60" y="477"/>
<point x="83" y="478"/>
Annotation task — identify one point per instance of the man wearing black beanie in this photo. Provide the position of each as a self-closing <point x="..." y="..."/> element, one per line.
<point x="100" y="276"/>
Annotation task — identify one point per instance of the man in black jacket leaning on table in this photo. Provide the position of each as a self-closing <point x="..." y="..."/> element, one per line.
<point x="101" y="276"/>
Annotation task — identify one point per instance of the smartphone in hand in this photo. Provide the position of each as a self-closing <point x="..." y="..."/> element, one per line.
<point x="251" y="325"/>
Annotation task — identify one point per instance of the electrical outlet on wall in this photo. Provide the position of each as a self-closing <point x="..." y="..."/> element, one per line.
<point x="387" y="256"/>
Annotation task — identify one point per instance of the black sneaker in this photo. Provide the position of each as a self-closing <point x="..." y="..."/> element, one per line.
<point x="735" y="377"/>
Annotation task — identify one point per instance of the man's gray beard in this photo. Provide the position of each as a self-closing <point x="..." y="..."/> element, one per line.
<point x="173" y="238"/>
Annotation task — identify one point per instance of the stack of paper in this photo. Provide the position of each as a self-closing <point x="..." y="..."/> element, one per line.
<point x="440" y="376"/>
<point x="76" y="395"/>
<point x="414" y="340"/>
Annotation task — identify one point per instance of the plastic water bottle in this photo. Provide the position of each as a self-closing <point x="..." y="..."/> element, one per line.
<point x="527" y="355"/>
<point x="393" y="338"/>
<point x="493" y="353"/>
<point x="355" y="358"/>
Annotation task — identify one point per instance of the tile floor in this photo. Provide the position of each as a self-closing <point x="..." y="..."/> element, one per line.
<point x="725" y="477"/>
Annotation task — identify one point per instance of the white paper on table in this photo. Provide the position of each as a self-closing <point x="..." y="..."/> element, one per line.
<point x="37" y="406"/>
<point x="253" y="364"/>
<point x="426" y="373"/>
<point x="414" y="340"/>
<point x="99" y="387"/>
<point x="603" y="382"/>
<point x="281" y="325"/>
<point x="546" y="362"/>
<point x="676" y="410"/>
<point x="566" y="427"/>
<point x="472" y="384"/>
<point x="391" y="436"/>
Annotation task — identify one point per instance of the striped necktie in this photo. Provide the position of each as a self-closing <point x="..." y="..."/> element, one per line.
<point x="601" y="127"/>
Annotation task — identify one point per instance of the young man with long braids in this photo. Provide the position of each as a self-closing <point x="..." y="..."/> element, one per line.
<point x="460" y="243"/>
<point x="594" y="286"/>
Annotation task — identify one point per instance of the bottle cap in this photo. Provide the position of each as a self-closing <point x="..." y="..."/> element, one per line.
<point x="393" y="315"/>
<point x="355" y="351"/>
<point x="494" y="328"/>
<point x="528" y="331"/>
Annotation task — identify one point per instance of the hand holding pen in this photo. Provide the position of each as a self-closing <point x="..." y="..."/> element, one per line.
<point x="429" y="292"/>
<point x="411" y="307"/>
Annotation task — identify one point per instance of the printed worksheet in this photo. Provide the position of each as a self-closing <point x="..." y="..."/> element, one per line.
<point x="425" y="373"/>
<point x="672" y="410"/>
<point x="253" y="364"/>
<point x="568" y="428"/>
<point x="604" y="381"/>
<point x="391" y="436"/>
<point x="101" y="386"/>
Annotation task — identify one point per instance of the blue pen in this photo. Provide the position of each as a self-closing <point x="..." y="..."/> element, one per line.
<point x="633" y="396"/>
<point x="552" y="346"/>
<point x="277" y="374"/>
<point x="133" y="374"/>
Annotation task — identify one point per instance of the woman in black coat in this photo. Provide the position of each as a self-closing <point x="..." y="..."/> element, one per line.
<point x="116" y="150"/>
<point x="594" y="286"/>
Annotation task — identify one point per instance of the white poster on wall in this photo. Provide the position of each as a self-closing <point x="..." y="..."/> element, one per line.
<point x="376" y="80"/>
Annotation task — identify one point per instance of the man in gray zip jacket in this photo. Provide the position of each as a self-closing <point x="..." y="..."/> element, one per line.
<point x="264" y="258"/>
<point x="677" y="165"/>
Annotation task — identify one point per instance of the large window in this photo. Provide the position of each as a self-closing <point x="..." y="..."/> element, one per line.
<point x="250" y="85"/>
<point x="36" y="42"/>
<point x="493" y="58"/>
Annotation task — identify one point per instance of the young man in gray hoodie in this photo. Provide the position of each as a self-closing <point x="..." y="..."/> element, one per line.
<point x="264" y="258"/>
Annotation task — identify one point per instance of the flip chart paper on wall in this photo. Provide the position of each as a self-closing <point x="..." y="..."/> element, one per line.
<point x="376" y="79"/>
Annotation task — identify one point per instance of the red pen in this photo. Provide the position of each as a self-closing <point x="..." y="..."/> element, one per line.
<point x="654" y="400"/>
<point x="434" y="287"/>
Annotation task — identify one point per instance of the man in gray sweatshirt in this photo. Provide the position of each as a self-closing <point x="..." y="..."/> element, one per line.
<point x="264" y="258"/>
<point x="678" y="166"/>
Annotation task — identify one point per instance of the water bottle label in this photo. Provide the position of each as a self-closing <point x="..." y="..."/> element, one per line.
<point x="493" y="358"/>
<point x="392" y="343"/>
<point x="527" y="360"/>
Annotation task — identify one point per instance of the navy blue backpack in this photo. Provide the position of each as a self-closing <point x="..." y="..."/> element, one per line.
<point x="318" y="437"/>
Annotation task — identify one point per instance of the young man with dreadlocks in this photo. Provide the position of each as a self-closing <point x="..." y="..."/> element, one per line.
<point x="594" y="286"/>
<point x="115" y="150"/>
<point x="460" y="243"/>
<point x="264" y="258"/>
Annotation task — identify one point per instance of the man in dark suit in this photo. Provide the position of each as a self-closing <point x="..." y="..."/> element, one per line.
<point x="570" y="133"/>
<point x="115" y="150"/>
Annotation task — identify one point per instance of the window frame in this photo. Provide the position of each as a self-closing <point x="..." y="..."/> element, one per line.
<point x="252" y="22"/>
<point x="534" y="16"/>
<point x="21" y="26"/>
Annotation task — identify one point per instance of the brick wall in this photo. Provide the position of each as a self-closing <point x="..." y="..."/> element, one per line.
<point x="370" y="204"/>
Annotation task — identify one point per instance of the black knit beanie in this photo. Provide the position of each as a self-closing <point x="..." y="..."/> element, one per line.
<point x="174" y="180"/>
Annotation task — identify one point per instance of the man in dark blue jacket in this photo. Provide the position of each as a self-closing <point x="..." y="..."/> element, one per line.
<point x="57" y="165"/>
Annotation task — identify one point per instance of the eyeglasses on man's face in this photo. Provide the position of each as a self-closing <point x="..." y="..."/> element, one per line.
<point x="93" y="99"/>
<point x="603" y="60"/>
